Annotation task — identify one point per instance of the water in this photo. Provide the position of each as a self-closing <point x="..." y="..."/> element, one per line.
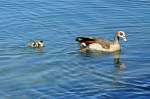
<point x="59" y="70"/>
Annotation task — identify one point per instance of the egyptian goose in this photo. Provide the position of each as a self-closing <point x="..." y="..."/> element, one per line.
<point x="99" y="44"/>
<point x="36" y="44"/>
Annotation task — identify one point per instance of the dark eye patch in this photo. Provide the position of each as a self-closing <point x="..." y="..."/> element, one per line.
<point x="121" y="33"/>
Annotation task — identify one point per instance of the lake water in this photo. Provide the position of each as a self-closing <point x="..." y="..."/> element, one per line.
<point x="59" y="70"/>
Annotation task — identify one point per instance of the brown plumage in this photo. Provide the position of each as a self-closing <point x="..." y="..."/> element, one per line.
<point x="89" y="40"/>
<point x="100" y="44"/>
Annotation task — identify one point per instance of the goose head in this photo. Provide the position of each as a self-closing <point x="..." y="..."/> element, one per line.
<point x="121" y="34"/>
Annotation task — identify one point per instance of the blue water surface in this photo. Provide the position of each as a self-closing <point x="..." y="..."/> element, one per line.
<point x="59" y="70"/>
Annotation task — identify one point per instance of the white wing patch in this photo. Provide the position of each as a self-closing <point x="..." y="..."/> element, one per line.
<point x="83" y="44"/>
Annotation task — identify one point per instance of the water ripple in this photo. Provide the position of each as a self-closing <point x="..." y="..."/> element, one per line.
<point x="59" y="70"/>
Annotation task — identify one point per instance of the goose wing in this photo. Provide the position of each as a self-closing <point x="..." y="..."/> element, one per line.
<point x="90" y="40"/>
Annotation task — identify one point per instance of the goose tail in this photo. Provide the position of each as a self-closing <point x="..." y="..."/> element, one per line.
<point x="79" y="39"/>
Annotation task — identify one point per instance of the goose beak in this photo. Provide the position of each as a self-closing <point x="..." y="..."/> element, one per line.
<point x="125" y="38"/>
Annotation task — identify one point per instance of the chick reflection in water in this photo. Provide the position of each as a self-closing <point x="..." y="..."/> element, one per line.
<point x="116" y="57"/>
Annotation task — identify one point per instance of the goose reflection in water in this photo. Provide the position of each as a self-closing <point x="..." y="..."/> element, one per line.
<point x="116" y="57"/>
<point x="117" y="62"/>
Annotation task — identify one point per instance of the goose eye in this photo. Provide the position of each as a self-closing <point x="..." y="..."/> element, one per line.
<point x="121" y="34"/>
